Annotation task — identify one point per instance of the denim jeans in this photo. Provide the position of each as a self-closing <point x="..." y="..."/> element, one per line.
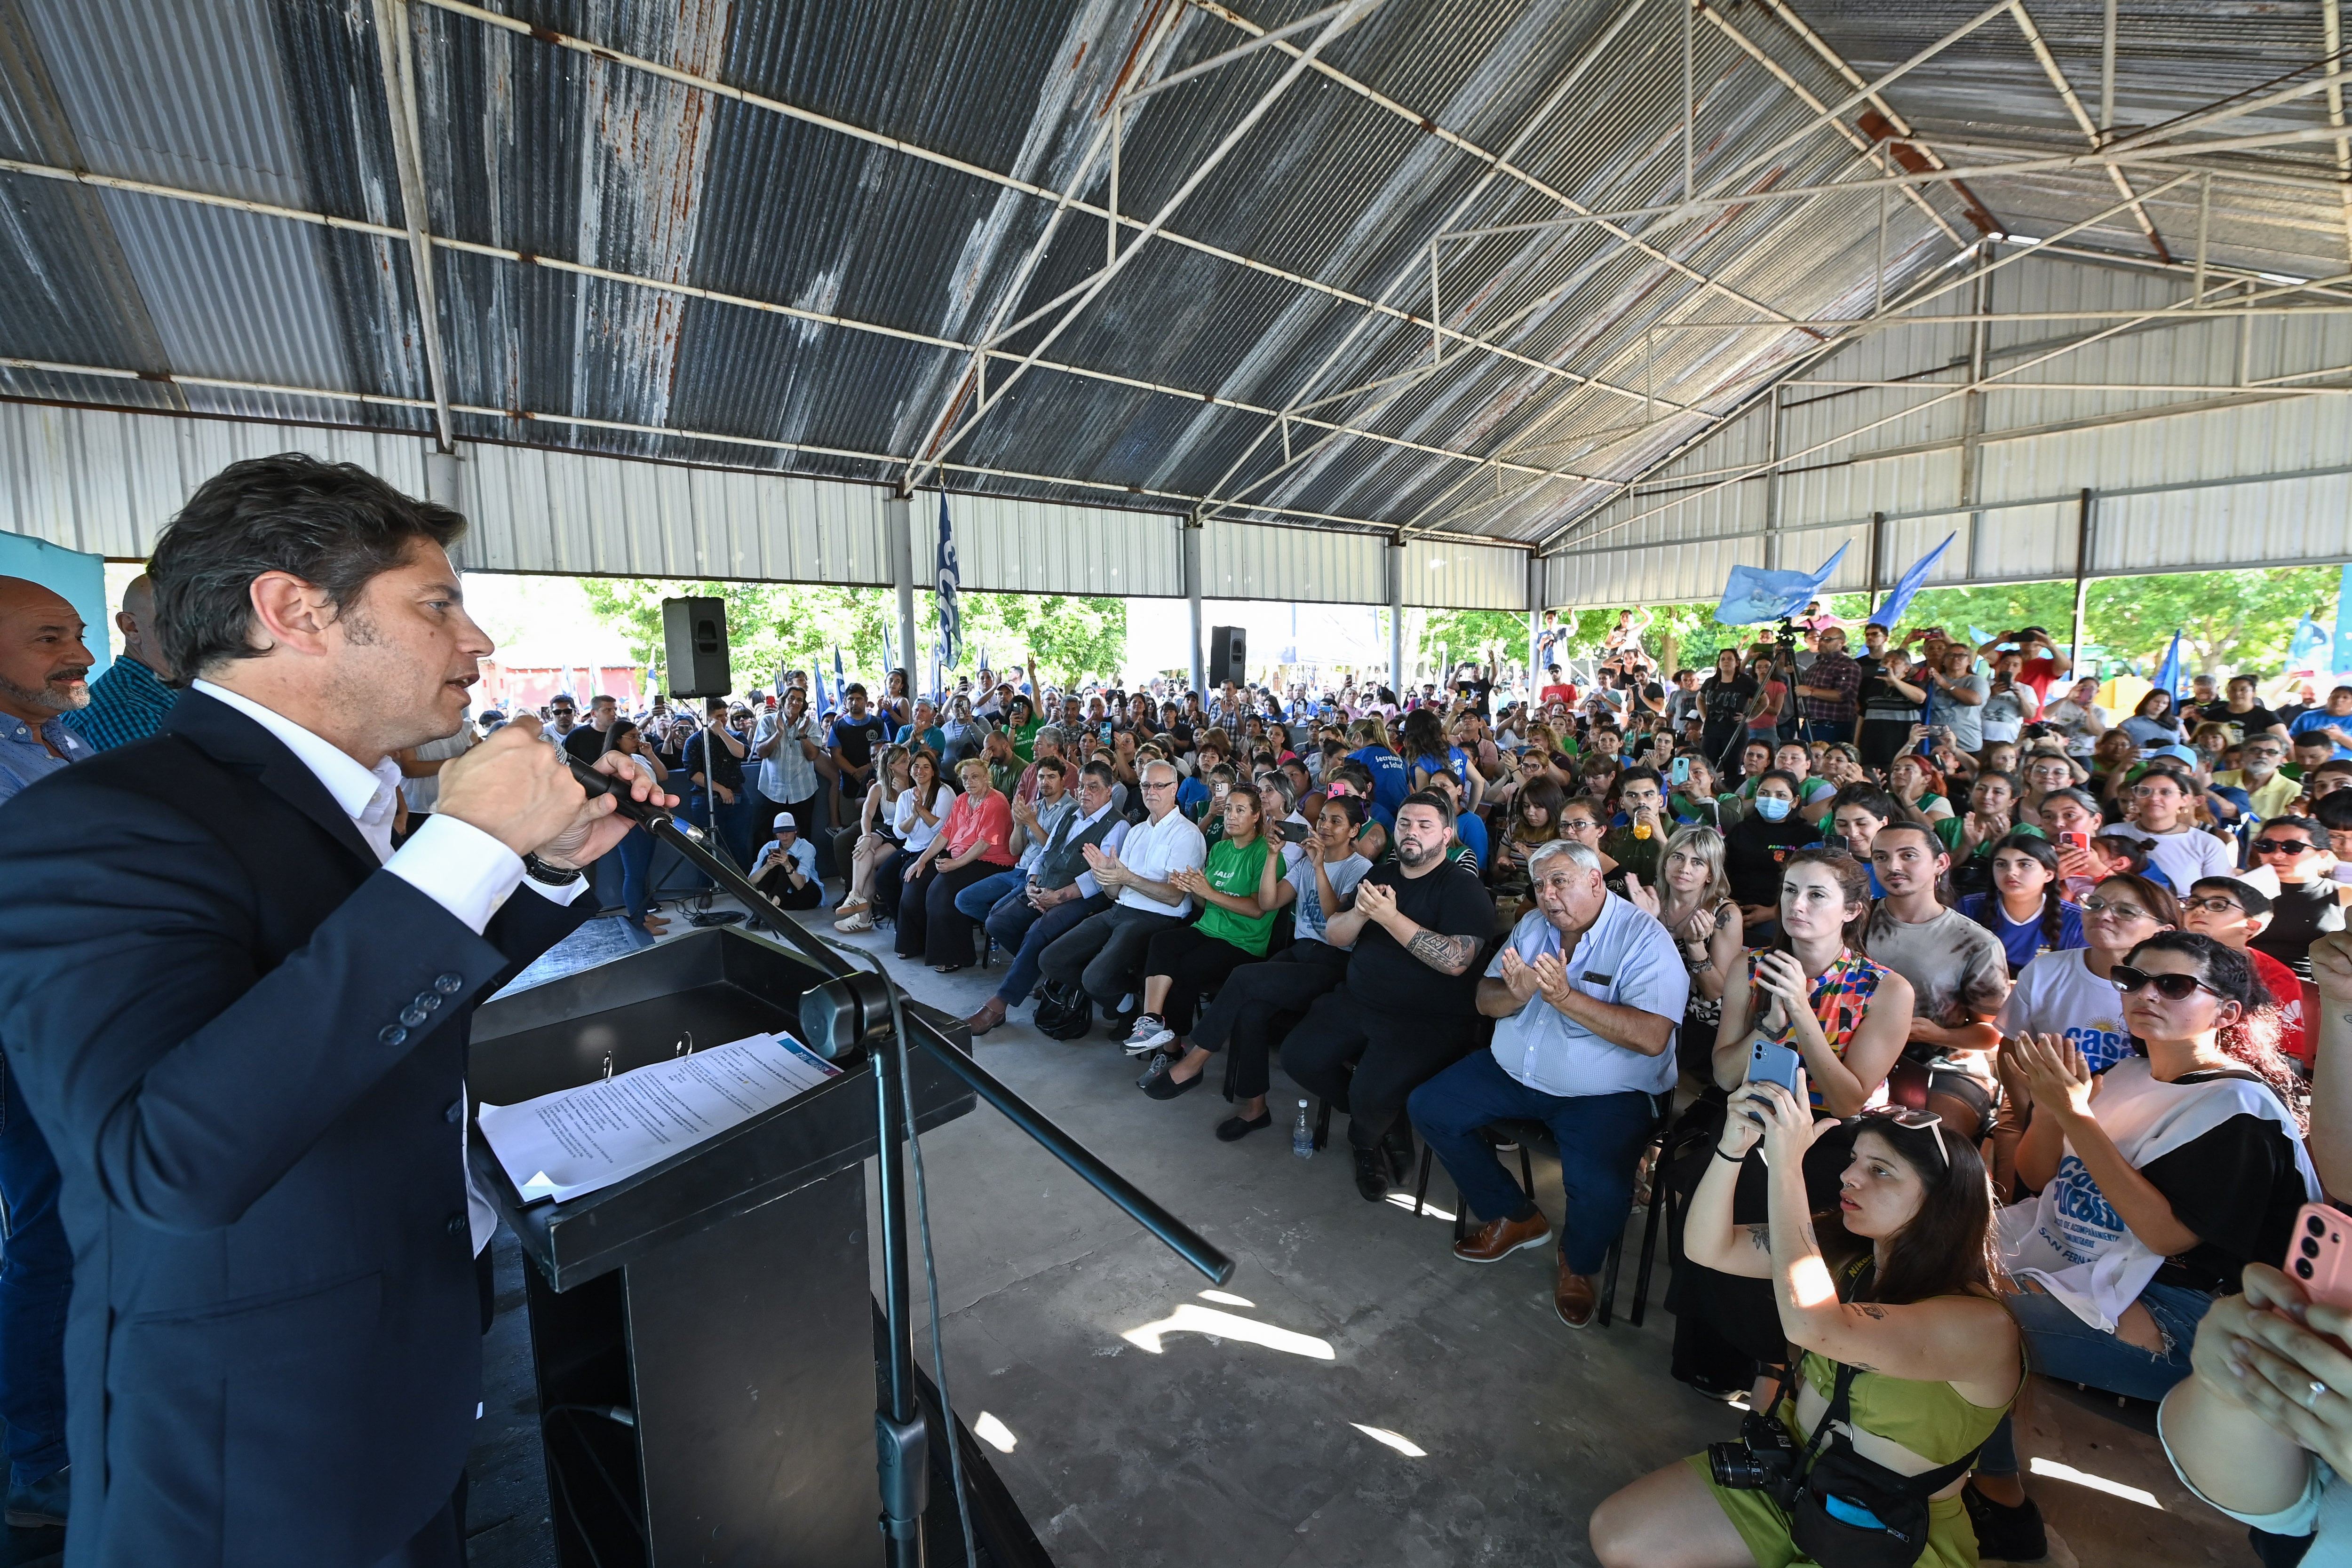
<point x="2061" y="1346"/>
<point x="1025" y="934"/>
<point x="636" y="853"/>
<point x="978" y="900"/>
<point x="35" y="1284"/>
<point x="1600" y="1136"/>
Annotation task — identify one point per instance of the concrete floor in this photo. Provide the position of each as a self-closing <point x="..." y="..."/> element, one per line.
<point x="1154" y="1423"/>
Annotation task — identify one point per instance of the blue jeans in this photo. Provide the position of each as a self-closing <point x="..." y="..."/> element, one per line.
<point x="981" y="899"/>
<point x="35" y="1282"/>
<point x="1020" y="930"/>
<point x="2061" y="1346"/>
<point x="636" y="853"/>
<point x="1600" y="1136"/>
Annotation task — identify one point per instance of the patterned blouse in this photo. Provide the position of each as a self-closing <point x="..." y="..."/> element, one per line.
<point x="1841" y="1002"/>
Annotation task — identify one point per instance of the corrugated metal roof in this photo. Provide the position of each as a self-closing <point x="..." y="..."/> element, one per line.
<point x="894" y="166"/>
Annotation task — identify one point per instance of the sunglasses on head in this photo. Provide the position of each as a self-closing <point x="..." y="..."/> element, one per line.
<point x="2172" y="987"/>
<point x="1911" y="1120"/>
<point x="2284" y="847"/>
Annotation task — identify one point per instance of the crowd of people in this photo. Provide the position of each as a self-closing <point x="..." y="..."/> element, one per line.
<point x="2061" y="997"/>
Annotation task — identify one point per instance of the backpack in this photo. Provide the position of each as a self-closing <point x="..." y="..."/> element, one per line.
<point x="1063" y="1012"/>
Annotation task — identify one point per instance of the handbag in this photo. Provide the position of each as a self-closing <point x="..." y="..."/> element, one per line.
<point x="1853" y="1512"/>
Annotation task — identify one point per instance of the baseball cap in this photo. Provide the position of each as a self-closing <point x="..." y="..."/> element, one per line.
<point x="2177" y="753"/>
<point x="784" y="820"/>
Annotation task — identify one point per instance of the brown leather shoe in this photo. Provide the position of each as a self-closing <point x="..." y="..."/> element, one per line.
<point x="990" y="1014"/>
<point x="1499" y="1239"/>
<point x="1574" y="1298"/>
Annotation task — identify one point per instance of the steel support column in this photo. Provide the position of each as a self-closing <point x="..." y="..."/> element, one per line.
<point x="1192" y="643"/>
<point x="2087" y="519"/>
<point x="1396" y="617"/>
<point x="898" y="534"/>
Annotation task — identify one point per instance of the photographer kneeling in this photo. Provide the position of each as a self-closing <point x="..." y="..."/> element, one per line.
<point x="1910" y="1360"/>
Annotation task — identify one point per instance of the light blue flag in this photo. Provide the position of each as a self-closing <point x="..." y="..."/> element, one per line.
<point x="1890" y="609"/>
<point x="2168" y="674"/>
<point x="1980" y="636"/>
<point x="949" y="653"/>
<point x="2310" y="641"/>
<point x="1754" y="595"/>
<point x="2342" y="657"/>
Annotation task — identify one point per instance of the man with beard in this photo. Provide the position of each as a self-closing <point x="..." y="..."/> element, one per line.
<point x="1408" y="1004"/>
<point x="273" y="1354"/>
<point x="44" y="675"/>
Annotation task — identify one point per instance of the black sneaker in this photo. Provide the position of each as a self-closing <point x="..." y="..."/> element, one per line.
<point x="1372" y="1175"/>
<point x="2005" y="1533"/>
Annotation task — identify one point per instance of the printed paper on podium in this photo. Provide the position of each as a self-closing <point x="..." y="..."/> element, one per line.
<point x="578" y="1141"/>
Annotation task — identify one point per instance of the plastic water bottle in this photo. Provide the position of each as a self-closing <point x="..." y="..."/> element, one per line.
<point x="1302" y="1136"/>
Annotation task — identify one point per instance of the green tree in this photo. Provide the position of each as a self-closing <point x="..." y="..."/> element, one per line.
<point x="1465" y="635"/>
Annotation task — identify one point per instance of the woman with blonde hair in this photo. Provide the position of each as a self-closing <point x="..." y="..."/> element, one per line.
<point x="1693" y="902"/>
<point x="974" y="841"/>
<point x="876" y="841"/>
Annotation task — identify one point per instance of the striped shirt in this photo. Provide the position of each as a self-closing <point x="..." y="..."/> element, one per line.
<point x="126" y="703"/>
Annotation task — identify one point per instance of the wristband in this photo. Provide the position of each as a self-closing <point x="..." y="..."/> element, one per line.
<point x="1739" y="1159"/>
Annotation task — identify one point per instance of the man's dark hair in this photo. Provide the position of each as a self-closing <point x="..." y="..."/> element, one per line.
<point x="1053" y="765"/>
<point x="2248" y="897"/>
<point x="1635" y="775"/>
<point x="333" y="525"/>
<point x="2304" y="825"/>
<point x="2334" y="810"/>
<point x="855" y="689"/>
<point x="1434" y="800"/>
<point x="1101" y="773"/>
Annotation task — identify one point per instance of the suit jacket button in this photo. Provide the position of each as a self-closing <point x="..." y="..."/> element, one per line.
<point x="449" y="985"/>
<point x="413" y="1016"/>
<point x="394" y="1035"/>
<point x="457" y="1110"/>
<point x="428" y="1000"/>
<point x="458" y="1225"/>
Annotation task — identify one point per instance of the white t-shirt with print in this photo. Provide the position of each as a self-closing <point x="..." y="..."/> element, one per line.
<point x="2057" y="993"/>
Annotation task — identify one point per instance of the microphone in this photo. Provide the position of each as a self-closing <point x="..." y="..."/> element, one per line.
<point x="641" y="811"/>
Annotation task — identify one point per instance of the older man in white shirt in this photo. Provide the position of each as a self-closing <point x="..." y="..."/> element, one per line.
<point x="1587" y="995"/>
<point x="1104" y="952"/>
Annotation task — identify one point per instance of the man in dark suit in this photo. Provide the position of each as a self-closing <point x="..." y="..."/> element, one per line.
<point x="239" y="1014"/>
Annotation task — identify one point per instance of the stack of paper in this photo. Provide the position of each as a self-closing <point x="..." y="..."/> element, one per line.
<point x="580" y="1140"/>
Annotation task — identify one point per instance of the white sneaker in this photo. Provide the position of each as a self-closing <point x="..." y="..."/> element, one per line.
<point x="1148" y="1034"/>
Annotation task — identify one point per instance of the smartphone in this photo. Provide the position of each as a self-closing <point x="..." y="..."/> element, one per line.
<point x="1770" y="1061"/>
<point x="2073" y="841"/>
<point x="1680" y="772"/>
<point x="1835" y="840"/>
<point x="2317" y="1256"/>
<point x="1293" y="832"/>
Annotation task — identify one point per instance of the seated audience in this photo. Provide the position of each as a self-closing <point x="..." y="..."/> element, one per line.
<point x="2026" y="907"/>
<point x="1406" y="1008"/>
<point x="1057" y="893"/>
<point x="2234" y="912"/>
<point x="876" y="841"/>
<point x="1587" y="991"/>
<point x="1234" y="889"/>
<point x="1969" y="839"/>
<point x="1959" y="975"/>
<point x="1033" y="824"/>
<point x="973" y="842"/>
<point x="915" y="821"/>
<point x="1758" y="843"/>
<point x="1638" y="845"/>
<point x="1693" y="902"/>
<point x="1902" y="1334"/>
<point x="1856" y="814"/>
<point x="1916" y="785"/>
<point x="2308" y="901"/>
<point x="1103" y="953"/>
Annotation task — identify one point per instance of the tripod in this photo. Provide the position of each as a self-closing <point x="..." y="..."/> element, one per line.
<point x="859" y="1013"/>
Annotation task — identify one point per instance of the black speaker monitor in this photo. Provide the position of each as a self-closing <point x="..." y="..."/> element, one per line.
<point x="1228" y="652"/>
<point x="694" y="638"/>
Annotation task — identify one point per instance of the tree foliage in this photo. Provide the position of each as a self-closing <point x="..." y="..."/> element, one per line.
<point x="774" y="626"/>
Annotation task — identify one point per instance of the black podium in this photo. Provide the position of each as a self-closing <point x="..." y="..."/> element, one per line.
<point x="720" y="1302"/>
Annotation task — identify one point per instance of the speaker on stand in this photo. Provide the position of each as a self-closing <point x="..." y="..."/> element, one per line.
<point x="1228" y="654"/>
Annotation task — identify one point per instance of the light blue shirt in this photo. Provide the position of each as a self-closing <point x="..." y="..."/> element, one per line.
<point x="24" y="758"/>
<point x="1625" y="957"/>
<point x="803" y="856"/>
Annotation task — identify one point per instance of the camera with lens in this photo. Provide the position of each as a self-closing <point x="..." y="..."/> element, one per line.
<point x="1764" y="1460"/>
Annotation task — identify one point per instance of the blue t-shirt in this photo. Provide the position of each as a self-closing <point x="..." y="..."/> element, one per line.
<point x="2022" y="943"/>
<point x="935" y="738"/>
<point x="1473" y="834"/>
<point x="1191" y="796"/>
<point x="1391" y="782"/>
<point x="2320" y="718"/>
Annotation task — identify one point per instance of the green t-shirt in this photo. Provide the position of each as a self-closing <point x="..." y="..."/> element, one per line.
<point x="1234" y="869"/>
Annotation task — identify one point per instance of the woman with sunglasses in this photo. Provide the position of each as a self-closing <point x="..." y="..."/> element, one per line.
<point x="2159" y="1180"/>
<point x="1897" y="1295"/>
<point x="2308" y="901"/>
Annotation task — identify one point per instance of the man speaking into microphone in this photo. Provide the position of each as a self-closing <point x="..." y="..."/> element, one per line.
<point x="239" y="1013"/>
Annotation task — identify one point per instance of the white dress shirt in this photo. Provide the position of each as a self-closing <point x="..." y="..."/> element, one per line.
<point x="454" y="863"/>
<point x="1152" y="851"/>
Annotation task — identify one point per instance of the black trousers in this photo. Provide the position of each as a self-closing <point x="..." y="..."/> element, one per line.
<point x="890" y="880"/>
<point x="932" y="927"/>
<point x="776" y="884"/>
<point x="1257" y="1005"/>
<point x="1193" y="961"/>
<point x="1391" y="1055"/>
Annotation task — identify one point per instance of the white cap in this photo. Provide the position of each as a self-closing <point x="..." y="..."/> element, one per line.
<point x="784" y="820"/>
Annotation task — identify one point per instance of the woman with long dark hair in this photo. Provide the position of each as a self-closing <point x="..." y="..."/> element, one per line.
<point x="1724" y="697"/>
<point x="1909" y="1324"/>
<point x="2158" y="1181"/>
<point x="877" y="840"/>
<point x="637" y="846"/>
<point x="2152" y="721"/>
<point x="914" y="821"/>
<point x="974" y="841"/>
<point x="2027" y="906"/>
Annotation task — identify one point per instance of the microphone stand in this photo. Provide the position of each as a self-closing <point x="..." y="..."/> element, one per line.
<point x="858" y="1012"/>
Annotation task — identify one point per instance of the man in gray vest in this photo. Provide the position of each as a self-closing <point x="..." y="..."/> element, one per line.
<point x="1060" y="892"/>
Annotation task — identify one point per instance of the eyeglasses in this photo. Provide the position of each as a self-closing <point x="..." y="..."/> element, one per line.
<point x="2215" y="906"/>
<point x="2171" y="988"/>
<point x="1910" y="1121"/>
<point x="1159" y="783"/>
<point x="2094" y="904"/>
<point x="2284" y="846"/>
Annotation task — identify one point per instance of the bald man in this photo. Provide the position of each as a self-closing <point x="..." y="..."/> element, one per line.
<point x="44" y="675"/>
<point x="129" y="700"/>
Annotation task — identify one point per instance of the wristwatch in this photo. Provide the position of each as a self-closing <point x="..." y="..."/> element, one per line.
<point x="540" y="870"/>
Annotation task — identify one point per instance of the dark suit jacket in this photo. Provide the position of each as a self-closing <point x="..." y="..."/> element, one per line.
<point x="273" y="1355"/>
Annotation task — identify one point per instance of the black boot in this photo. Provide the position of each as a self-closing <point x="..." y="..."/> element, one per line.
<point x="2009" y="1534"/>
<point x="1397" y="1145"/>
<point x="1372" y="1174"/>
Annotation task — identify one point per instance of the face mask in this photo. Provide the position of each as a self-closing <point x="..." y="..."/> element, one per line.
<point x="1771" y="808"/>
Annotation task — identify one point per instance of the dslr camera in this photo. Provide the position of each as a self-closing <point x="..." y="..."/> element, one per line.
<point x="1764" y="1460"/>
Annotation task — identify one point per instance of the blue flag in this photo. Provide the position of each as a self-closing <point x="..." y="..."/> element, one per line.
<point x="840" y="681"/>
<point x="2310" y="639"/>
<point x="949" y="653"/>
<point x="1754" y="595"/>
<point x="2168" y="674"/>
<point x="1890" y="609"/>
<point x="2342" y="657"/>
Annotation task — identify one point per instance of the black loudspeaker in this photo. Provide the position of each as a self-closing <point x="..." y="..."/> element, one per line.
<point x="694" y="638"/>
<point x="1228" y="650"/>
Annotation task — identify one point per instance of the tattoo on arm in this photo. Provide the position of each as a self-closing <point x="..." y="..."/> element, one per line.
<point x="1760" y="1237"/>
<point x="1446" y="954"/>
<point x="1867" y="1311"/>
